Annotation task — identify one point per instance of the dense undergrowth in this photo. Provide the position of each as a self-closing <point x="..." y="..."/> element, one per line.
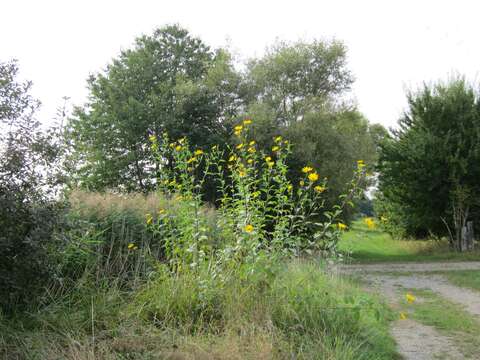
<point x="301" y="312"/>
<point x="170" y="276"/>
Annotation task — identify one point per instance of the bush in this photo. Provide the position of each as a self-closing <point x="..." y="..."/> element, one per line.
<point x="28" y="213"/>
<point x="108" y="237"/>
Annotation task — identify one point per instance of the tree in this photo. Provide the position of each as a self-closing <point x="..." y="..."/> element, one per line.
<point x="170" y="82"/>
<point x="295" y="91"/>
<point x="332" y="142"/>
<point x="294" y="79"/>
<point x="431" y="165"/>
<point x="28" y="211"/>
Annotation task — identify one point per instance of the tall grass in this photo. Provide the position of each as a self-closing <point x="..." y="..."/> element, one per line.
<point x="300" y="312"/>
<point x="167" y="276"/>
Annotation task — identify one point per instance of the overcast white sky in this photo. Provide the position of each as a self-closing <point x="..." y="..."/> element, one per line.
<point x="392" y="45"/>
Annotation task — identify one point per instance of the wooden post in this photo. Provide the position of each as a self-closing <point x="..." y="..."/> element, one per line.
<point x="466" y="242"/>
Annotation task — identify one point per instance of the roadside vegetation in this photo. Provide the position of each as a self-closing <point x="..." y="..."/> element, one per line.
<point x="448" y="318"/>
<point x="190" y="210"/>
<point x="364" y="244"/>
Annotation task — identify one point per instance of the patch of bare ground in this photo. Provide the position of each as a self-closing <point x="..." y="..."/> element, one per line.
<point x="417" y="341"/>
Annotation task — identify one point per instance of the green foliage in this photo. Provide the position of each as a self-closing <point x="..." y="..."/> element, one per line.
<point x="300" y="312"/>
<point x="362" y="244"/>
<point x="432" y="159"/>
<point x="450" y="319"/>
<point x="28" y="215"/>
<point x="260" y="209"/>
<point x="332" y="142"/>
<point x="170" y="82"/>
<point x="294" y="79"/>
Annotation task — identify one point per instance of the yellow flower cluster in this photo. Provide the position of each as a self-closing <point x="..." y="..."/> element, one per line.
<point x="341" y="226"/>
<point x="369" y="222"/>
<point x="239" y="128"/>
<point x="132" y="246"/>
<point x="149" y="219"/>
<point x="410" y="298"/>
<point x="248" y="228"/>
<point x="313" y="176"/>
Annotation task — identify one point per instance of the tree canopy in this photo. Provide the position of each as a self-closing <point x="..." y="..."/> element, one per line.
<point x="430" y="166"/>
<point x="169" y="82"/>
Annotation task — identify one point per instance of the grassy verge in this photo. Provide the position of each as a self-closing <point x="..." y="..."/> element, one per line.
<point x="449" y="318"/>
<point x="464" y="278"/>
<point x="301" y="313"/>
<point x="374" y="245"/>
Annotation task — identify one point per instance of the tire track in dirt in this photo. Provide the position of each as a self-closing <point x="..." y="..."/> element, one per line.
<point x="417" y="341"/>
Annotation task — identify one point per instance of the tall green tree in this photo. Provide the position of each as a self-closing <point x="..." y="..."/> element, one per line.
<point x="296" y="90"/>
<point x="294" y="79"/>
<point x="28" y="212"/>
<point x="169" y="82"/>
<point x="431" y="165"/>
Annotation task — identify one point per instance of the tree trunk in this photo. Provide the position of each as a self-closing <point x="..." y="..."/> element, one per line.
<point x="466" y="241"/>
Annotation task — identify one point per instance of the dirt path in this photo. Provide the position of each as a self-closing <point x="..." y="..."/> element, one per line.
<point x="410" y="267"/>
<point x="417" y="341"/>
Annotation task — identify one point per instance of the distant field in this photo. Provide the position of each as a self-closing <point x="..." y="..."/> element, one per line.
<point x="374" y="245"/>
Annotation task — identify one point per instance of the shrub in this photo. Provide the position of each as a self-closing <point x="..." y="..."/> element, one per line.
<point x="28" y="213"/>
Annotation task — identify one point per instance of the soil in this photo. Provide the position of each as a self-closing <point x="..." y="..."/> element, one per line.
<point x="417" y="341"/>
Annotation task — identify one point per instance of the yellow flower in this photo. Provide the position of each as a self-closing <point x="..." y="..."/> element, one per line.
<point x="268" y="158"/>
<point x="289" y="187"/>
<point x="256" y="194"/>
<point x="161" y="211"/>
<point x="275" y="148"/>
<point x="239" y="146"/>
<point x="302" y="183"/>
<point x="360" y="164"/>
<point x="182" y="140"/>
<point x="178" y="147"/>
<point x="319" y="189"/>
<point x="252" y="143"/>
<point x="232" y="158"/>
<point x="247" y="122"/>
<point x="410" y="298"/>
<point x="341" y="226"/>
<point x="370" y="222"/>
<point x="149" y="218"/>
<point x="313" y="177"/>
<point x="270" y="163"/>
<point x="131" y="246"/>
<point x="250" y="161"/>
<point x="248" y="228"/>
<point x="152" y="138"/>
<point x="277" y="139"/>
<point x="242" y="173"/>
<point x="403" y="316"/>
<point x="192" y="159"/>
<point x="198" y="152"/>
<point x="251" y="150"/>
<point x="172" y="145"/>
<point x="307" y="169"/>
<point x="238" y="128"/>
<point x="238" y="133"/>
